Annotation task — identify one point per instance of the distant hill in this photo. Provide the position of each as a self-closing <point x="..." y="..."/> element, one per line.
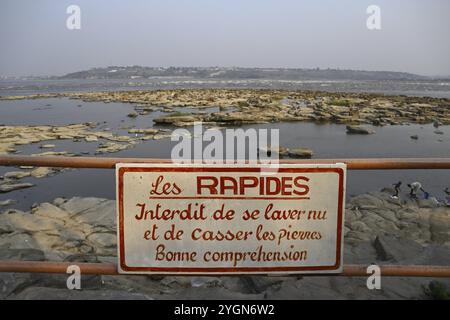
<point x="136" y="72"/>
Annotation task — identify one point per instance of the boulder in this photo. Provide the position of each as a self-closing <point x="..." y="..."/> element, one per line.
<point x="270" y="152"/>
<point x="395" y="249"/>
<point x="431" y="255"/>
<point x="358" y="130"/>
<point x="259" y="283"/>
<point x="28" y="254"/>
<point x="308" y="288"/>
<point x="302" y="153"/>
<point x="16" y="174"/>
<point x="205" y="281"/>
<point x="42" y="172"/>
<point x="91" y="138"/>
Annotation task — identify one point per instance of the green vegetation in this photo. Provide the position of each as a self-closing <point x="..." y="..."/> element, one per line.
<point x="437" y="291"/>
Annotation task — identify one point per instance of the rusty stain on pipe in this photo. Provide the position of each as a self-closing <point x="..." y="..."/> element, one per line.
<point x="109" y="163"/>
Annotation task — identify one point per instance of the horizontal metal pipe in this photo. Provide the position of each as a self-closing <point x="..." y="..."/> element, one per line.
<point x="56" y="267"/>
<point x="111" y="269"/>
<point x="109" y="163"/>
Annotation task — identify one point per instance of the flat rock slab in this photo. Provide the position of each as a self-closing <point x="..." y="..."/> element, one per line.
<point x="8" y="187"/>
<point x="395" y="249"/>
<point x="16" y="174"/>
<point x="8" y="202"/>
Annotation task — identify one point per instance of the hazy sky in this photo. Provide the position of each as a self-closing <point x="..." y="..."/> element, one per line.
<point x="415" y="35"/>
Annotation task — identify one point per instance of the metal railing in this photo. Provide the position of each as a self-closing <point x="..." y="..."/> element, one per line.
<point x="109" y="163"/>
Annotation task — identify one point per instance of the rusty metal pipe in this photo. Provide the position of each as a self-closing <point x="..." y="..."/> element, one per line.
<point x="56" y="267"/>
<point x="111" y="269"/>
<point x="109" y="163"/>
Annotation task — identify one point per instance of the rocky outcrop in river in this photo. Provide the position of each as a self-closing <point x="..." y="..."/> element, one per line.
<point x="246" y="106"/>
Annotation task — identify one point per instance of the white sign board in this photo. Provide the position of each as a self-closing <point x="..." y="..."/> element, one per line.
<point x="202" y="219"/>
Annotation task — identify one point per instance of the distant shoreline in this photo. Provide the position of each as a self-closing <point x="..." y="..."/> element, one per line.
<point x="216" y="72"/>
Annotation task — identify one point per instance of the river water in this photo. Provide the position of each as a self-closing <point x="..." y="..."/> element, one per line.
<point x="327" y="140"/>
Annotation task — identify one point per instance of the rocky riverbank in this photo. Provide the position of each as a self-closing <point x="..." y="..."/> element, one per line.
<point x="14" y="137"/>
<point x="247" y="106"/>
<point x="378" y="229"/>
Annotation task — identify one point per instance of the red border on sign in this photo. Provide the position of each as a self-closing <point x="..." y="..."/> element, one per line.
<point x="124" y="267"/>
